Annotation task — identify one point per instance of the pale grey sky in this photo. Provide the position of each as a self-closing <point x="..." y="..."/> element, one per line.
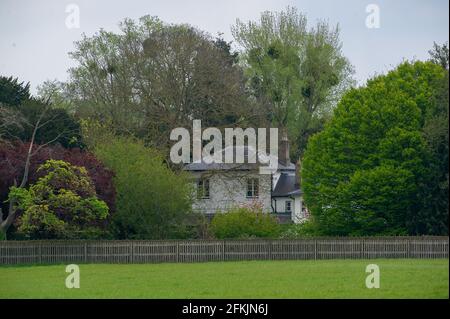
<point x="34" y="40"/>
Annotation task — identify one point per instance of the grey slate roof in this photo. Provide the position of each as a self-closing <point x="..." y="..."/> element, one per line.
<point x="215" y="166"/>
<point x="202" y="166"/>
<point x="286" y="186"/>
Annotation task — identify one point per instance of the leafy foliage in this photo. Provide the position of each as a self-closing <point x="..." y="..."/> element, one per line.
<point x="12" y="92"/>
<point x="55" y="92"/>
<point x="244" y="222"/>
<point x="60" y="128"/>
<point x="370" y="171"/>
<point x="61" y="204"/>
<point x="152" y="77"/>
<point x="152" y="201"/>
<point x="9" y="120"/>
<point x="299" y="74"/>
<point x="294" y="231"/>
<point x="57" y="125"/>
<point x="12" y="163"/>
<point x="439" y="54"/>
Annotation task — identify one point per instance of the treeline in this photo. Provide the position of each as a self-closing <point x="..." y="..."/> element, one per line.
<point x="88" y="158"/>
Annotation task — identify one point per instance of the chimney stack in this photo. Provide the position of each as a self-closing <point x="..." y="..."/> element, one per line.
<point x="283" y="152"/>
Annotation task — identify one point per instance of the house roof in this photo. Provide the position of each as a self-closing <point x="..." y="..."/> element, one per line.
<point x="286" y="186"/>
<point x="202" y="166"/>
<point x="249" y="152"/>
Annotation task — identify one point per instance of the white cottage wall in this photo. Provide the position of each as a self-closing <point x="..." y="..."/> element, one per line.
<point x="228" y="189"/>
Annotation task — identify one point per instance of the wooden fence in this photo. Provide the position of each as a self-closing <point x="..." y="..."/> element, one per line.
<point x="153" y="251"/>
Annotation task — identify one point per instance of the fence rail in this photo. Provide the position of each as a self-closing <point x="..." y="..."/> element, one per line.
<point x="152" y="251"/>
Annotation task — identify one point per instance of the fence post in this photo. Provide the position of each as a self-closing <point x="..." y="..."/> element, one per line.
<point x="315" y="248"/>
<point x="270" y="249"/>
<point x="131" y="251"/>
<point x="40" y="253"/>
<point x="361" y="252"/>
<point x="178" y="252"/>
<point x="223" y="250"/>
<point x="85" y="252"/>
<point x="408" y="248"/>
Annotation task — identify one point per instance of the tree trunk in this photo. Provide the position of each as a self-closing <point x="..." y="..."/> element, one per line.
<point x="6" y="223"/>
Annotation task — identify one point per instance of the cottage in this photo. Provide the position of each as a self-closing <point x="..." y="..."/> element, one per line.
<point x="220" y="186"/>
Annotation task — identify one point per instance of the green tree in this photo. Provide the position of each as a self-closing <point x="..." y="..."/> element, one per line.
<point x="370" y="171"/>
<point x="152" y="77"/>
<point x="19" y="113"/>
<point x="55" y="92"/>
<point x="58" y="126"/>
<point x="152" y="202"/>
<point x="61" y="204"/>
<point x="10" y="120"/>
<point x="435" y="130"/>
<point x="298" y="74"/>
<point x="439" y="54"/>
<point x="12" y="92"/>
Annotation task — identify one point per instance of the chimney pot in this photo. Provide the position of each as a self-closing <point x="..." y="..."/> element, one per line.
<point x="283" y="155"/>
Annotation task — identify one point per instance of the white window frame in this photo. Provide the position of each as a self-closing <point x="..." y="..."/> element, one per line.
<point x="252" y="188"/>
<point x="203" y="188"/>
<point x="286" y="204"/>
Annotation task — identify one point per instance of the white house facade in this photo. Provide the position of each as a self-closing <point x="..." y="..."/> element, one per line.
<point x="220" y="187"/>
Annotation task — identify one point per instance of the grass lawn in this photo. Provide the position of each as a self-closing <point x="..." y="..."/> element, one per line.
<point x="401" y="278"/>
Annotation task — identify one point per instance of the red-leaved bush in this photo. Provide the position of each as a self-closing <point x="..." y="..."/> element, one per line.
<point x="12" y="163"/>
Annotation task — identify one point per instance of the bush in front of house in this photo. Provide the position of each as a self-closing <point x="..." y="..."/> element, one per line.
<point x="305" y="229"/>
<point x="62" y="204"/>
<point x="244" y="222"/>
<point x="153" y="202"/>
<point x="12" y="164"/>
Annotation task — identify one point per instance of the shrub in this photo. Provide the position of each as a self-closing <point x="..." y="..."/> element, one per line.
<point x="61" y="204"/>
<point x="244" y="222"/>
<point x="305" y="229"/>
<point x="153" y="202"/>
<point x="12" y="163"/>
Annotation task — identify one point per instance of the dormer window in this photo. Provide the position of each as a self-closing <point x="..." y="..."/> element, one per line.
<point x="252" y="187"/>
<point x="203" y="189"/>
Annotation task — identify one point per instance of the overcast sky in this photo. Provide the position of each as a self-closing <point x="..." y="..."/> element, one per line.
<point x="34" y="39"/>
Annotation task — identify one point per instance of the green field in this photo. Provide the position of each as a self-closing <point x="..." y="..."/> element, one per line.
<point x="401" y="278"/>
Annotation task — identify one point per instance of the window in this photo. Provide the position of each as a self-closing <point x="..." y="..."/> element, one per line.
<point x="203" y="188"/>
<point x="288" y="206"/>
<point x="252" y="187"/>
